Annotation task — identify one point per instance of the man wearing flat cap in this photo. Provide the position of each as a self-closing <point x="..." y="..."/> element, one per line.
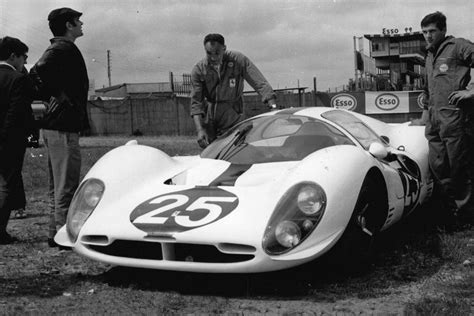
<point x="60" y="76"/>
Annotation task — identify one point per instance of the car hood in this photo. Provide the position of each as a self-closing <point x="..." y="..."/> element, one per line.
<point x="151" y="196"/>
<point x="200" y="201"/>
<point x="210" y="172"/>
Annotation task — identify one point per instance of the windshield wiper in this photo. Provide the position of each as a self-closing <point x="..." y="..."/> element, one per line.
<point x="235" y="142"/>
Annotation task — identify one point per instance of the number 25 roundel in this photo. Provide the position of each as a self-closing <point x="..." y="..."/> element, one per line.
<point x="183" y="210"/>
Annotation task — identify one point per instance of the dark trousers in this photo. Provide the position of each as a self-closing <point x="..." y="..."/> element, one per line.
<point x="12" y="192"/>
<point x="450" y="150"/>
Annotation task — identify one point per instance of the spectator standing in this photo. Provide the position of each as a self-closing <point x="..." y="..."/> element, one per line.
<point x="16" y="119"/>
<point x="449" y="114"/>
<point x="62" y="81"/>
<point x="217" y="89"/>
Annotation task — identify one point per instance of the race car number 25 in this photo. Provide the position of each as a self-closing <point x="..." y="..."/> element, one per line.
<point x="183" y="210"/>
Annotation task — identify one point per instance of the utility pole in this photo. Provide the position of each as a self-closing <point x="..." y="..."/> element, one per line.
<point x="171" y="81"/>
<point x="108" y="67"/>
<point x="314" y="91"/>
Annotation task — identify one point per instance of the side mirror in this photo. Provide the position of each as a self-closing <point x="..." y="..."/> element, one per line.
<point x="378" y="150"/>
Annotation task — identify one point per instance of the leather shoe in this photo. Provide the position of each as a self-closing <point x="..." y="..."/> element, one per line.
<point x="52" y="243"/>
<point x="6" y="239"/>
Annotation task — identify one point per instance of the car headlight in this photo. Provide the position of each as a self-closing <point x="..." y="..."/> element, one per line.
<point x="296" y="215"/>
<point x="288" y="234"/>
<point x="309" y="200"/>
<point x="83" y="203"/>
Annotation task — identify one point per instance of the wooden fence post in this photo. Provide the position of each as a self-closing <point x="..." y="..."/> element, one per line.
<point x="177" y="112"/>
<point x="131" y="116"/>
<point x="315" y="102"/>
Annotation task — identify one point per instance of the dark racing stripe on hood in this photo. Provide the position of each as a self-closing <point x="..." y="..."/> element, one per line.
<point x="230" y="175"/>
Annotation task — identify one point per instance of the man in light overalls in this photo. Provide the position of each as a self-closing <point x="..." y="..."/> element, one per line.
<point x="217" y="89"/>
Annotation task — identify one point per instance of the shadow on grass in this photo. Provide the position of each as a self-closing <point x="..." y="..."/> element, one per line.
<point x="29" y="215"/>
<point x="411" y="251"/>
<point x="44" y="286"/>
<point x="407" y="253"/>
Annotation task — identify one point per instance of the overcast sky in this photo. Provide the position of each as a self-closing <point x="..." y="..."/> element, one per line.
<point x="288" y="40"/>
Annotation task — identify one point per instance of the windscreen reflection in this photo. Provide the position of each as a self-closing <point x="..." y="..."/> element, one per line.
<point x="274" y="138"/>
<point x="354" y="126"/>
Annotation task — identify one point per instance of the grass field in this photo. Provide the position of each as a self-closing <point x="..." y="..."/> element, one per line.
<point x="92" y="148"/>
<point x="417" y="269"/>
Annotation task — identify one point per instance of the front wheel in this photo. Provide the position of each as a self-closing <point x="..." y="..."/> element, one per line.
<point x="355" y="247"/>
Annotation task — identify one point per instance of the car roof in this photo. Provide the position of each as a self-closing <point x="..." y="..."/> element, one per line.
<point x="315" y="111"/>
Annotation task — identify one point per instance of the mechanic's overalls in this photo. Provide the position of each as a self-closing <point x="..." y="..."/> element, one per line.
<point x="450" y="130"/>
<point x="226" y="108"/>
<point x="222" y="115"/>
<point x="217" y="95"/>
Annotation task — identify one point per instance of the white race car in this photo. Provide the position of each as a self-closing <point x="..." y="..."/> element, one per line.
<point x="276" y="191"/>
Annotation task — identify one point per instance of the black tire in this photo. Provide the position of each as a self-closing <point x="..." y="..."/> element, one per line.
<point x="355" y="247"/>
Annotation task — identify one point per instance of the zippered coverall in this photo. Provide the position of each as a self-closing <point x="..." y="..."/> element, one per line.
<point x="450" y="128"/>
<point x="217" y="96"/>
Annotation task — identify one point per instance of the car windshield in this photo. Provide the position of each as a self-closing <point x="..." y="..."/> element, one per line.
<point x="354" y="126"/>
<point x="273" y="138"/>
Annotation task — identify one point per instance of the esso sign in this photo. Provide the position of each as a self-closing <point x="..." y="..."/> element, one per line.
<point x="344" y="101"/>
<point x="389" y="31"/>
<point x="387" y="101"/>
<point x="421" y="100"/>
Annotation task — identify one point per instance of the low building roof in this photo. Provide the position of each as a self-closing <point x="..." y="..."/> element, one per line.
<point x="130" y="88"/>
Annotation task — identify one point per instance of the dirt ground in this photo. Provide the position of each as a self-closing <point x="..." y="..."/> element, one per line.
<point x="37" y="279"/>
<point x="417" y="268"/>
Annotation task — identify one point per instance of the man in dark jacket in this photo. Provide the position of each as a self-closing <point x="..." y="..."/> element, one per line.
<point x="16" y="118"/>
<point x="61" y="78"/>
<point x="218" y="86"/>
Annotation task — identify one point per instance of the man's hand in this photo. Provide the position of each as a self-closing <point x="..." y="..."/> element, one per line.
<point x="457" y="96"/>
<point x="52" y="105"/>
<point x="422" y="120"/>
<point x="417" y="122"/>
<point x="203" y="139"/>
<point x="272" y="106"/>
<point x="56" y="102"/>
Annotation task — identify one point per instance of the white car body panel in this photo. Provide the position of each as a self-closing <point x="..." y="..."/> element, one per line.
<point x="134" y="174"/>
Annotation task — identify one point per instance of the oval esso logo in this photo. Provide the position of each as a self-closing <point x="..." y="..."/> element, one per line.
<point x="344" y="101"/>
<point x="387" y="101"/>
<point x="180" y="211"/>
<point x="443" y="68"/>
<point x="421" y="100"/>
